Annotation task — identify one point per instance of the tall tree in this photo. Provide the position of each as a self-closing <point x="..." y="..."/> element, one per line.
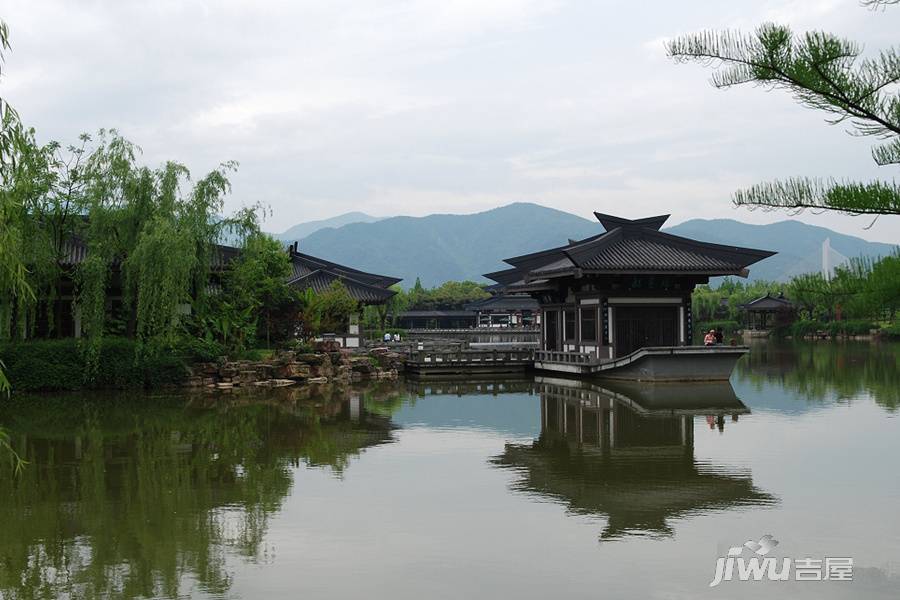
<point x="824" y="72"/>
<point x="13" y="271"/>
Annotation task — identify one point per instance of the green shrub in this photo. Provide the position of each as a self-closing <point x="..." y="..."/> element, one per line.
<point x="59" y="365"/>
<point x="198" y="349"/>
<point x="301" y="346"/>
<point x="850" y="327"/>
<point x="728" y="327"/>
<point x="804" y="327"/>
<point x="255" y="354"/>
<point x="892" y="330"/>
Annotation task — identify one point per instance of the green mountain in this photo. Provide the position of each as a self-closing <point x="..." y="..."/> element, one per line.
<point x="301" y="230"/>
<point x="437" y="248"/>
<point x="799" y="245"/>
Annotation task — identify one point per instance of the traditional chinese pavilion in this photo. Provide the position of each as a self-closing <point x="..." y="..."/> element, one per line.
<point x="622" y="293"/>
<point x="767" y="312"/>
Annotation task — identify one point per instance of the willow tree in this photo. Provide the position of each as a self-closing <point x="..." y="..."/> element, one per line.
<point x="155" y="232"/>
<point x="824" y="72"/>
<point x="13" y="272"/>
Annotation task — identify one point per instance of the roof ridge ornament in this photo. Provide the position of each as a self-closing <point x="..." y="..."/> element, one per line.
<point x="611" y="222"/>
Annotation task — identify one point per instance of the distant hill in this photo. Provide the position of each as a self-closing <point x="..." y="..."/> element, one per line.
<point x="799" y="245"/>
<point x="438" y="248"/>
<point x="301" y="230"/>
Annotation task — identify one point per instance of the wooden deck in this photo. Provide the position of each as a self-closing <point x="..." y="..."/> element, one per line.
<point x="652" y="363"/>
<point x="656" y="363"/>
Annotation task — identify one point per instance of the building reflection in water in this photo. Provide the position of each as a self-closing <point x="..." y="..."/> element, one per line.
<point x="626" y="452"/>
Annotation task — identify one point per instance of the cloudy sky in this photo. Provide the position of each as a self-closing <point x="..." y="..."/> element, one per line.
<point x="419" y="106"/>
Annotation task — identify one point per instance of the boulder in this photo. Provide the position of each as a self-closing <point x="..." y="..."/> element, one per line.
<point x="293" y="370"/>
<point x="362" y="364"/>
<point x="311" y="359"/>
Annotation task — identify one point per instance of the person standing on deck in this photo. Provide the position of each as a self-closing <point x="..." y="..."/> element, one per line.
<point x="710" y="338"/>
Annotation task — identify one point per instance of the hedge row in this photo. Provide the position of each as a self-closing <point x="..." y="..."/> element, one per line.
<point x="60" y="365"/>
<point x="851" y="327"/>
<point x="892" y="331"/>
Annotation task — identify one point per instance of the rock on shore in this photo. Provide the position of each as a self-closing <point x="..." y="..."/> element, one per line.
<point x="326" y="365"/>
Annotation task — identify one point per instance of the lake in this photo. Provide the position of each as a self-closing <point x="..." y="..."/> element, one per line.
<point x="518" y="488"/>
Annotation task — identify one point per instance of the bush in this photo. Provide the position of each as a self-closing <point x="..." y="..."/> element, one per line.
<point x="892" y="330"/>
<point x="301" y="346"/>
<point x="852" y="327"/>
<point x="198" y="349"/>
<point x="59" y="365"/>
<point x="256" y="354"/>
<point x="44" y="364"/>
<point x="805" y="327"/>
<point x="728" y="327"/>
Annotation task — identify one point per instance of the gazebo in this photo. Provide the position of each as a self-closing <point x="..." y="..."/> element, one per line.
<point x="768" y="312"/>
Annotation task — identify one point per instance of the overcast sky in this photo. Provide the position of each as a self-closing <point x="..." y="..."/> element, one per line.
<point x="414" y="107"/>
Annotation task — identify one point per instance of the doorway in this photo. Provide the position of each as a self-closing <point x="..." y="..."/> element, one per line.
<point x="641" y="326"/>
<point x="551" y="329"/>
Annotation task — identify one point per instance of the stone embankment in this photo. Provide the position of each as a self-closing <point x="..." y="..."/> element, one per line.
<point x="326" y="365"/>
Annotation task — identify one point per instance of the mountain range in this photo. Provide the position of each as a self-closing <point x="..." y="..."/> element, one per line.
<point x="442" y="247"/>
<point x="301" y="230"/>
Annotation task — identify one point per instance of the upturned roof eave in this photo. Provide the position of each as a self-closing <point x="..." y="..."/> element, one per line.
<point x="579" y="273"/>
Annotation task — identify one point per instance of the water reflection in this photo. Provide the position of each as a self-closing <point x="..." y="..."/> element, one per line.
<point x="466" y="487"/>
<point x="145" y="497"/>
<point x="823" y="372"/>
<point x="626" y="453"/>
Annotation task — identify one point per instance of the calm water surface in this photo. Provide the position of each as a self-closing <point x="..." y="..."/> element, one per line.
<point x="529" y="488"/>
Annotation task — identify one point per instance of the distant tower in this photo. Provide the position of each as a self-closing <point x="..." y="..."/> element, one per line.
<point x="827" y="269"/>
<point x="831" y="259"/>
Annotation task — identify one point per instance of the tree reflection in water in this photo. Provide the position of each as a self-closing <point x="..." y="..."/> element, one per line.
<point x="143" y="496"/>
<point x="626" y="453"/>
<point x="826" y="370"/>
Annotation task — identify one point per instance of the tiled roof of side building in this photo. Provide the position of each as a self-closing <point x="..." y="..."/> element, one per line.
<point x="320" y="280"/>
<point x="365" y="287"/>
<point x="769" y="302"/>
<point x="304" y="264"/>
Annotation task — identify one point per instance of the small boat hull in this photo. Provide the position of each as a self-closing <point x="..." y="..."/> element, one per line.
<point x="658" y="363"/>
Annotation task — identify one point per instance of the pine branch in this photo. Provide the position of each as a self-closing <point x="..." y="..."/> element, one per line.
<point x="887" y="154"/>
<point x="876" y="198"/>
<point x="819" y="69"/>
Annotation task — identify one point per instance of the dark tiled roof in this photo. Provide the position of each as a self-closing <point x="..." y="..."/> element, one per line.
<point x="769" y="302"/>
<point x="505" y="302"/>
<point x="633" y="253"/>
<point x="628" y="246"/>
<point x="74" y="251"/>
<point x="320" y="280"/>
<point x="505" y="276"/>
<point x="433" y="314"/>
<point x="306" y="271"/>
<point x="304" y="264"/>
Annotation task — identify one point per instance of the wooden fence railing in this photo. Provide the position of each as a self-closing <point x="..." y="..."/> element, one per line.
<point x="444" y="356"/>
<point x="575" y="358"/>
